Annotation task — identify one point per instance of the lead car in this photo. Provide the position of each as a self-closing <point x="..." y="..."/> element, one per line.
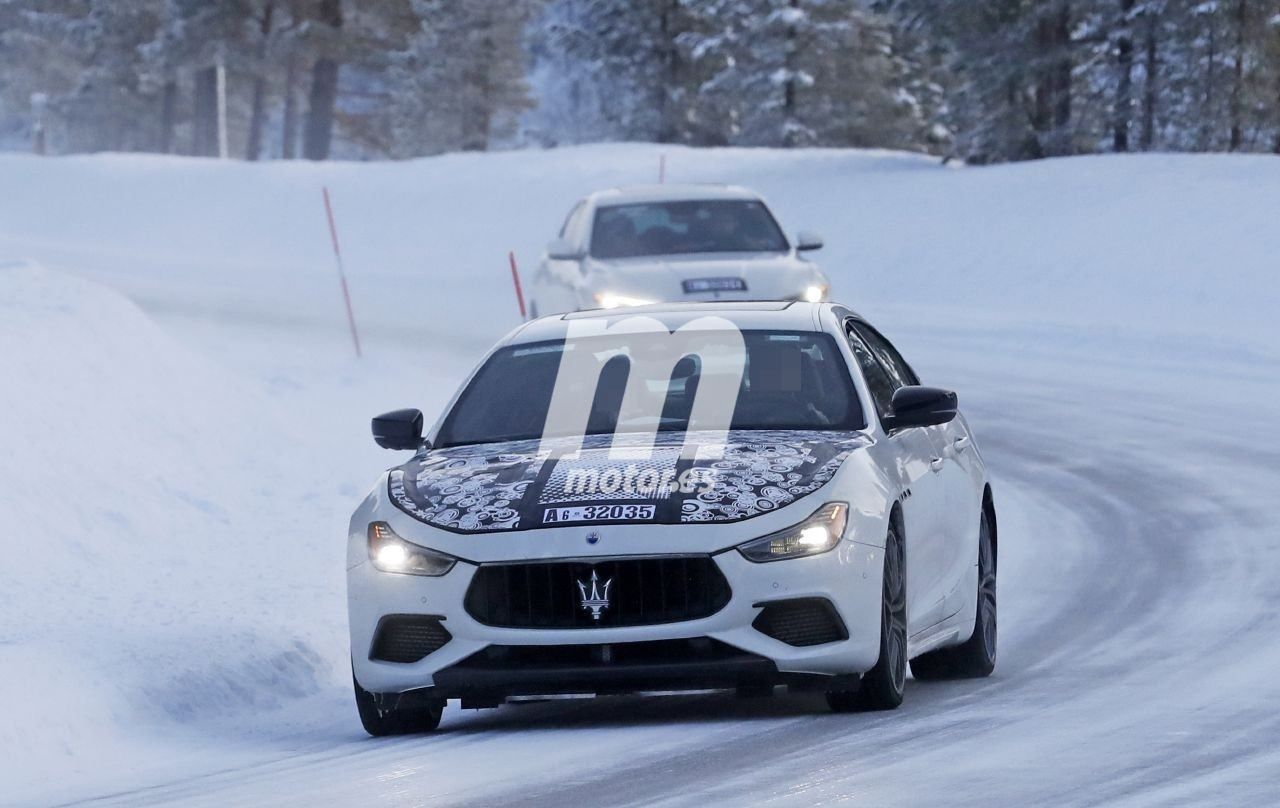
<point x="688" y="496"/>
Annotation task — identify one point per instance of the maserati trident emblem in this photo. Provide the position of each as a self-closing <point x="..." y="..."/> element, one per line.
<point x="597" y="600"/>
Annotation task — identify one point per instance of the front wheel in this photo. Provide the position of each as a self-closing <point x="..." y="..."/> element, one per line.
<point x="976" y="658"/>
<point x="881" y="687"/>
<point x="380" y="722"/>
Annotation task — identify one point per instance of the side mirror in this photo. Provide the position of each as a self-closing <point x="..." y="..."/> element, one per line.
<point x="922" y="406"/>
<point x="808" y="240"/>
<point x="561" y="250"/>
<point x="401" y="429"/>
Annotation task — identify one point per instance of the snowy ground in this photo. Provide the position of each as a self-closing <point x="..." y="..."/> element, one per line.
<point x="177" y="472"/>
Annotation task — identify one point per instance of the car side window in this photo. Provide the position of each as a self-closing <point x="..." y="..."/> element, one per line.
<point x="899" y="370"/>
<point x="878" y="380"/>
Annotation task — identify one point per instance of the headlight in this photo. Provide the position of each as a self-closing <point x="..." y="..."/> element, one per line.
<point x="815" y="294"/>
<point x="817" y="534"/>
<point x="390" y="553"/>
<point x="608" y="300"/>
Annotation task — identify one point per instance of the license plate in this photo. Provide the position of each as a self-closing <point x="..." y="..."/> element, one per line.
<point x="715" y="285"/>
<point x="599" y="513"/>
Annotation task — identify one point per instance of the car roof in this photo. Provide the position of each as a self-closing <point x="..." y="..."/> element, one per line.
<point x="782" y="315"/>
<point x="676" y="192"/>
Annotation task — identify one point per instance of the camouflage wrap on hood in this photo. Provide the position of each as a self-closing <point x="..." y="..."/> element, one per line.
<point x="521" y="486"/>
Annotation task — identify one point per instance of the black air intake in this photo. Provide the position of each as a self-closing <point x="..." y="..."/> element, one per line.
<point x="408" y="637"/>
<point x="801" y="622"/>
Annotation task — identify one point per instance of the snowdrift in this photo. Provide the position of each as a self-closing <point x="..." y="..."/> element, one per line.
<point x="161" y="570"/>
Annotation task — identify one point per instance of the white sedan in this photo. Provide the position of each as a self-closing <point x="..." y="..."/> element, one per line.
<point x="662" y="243"/>
<point x="578" y="521"/>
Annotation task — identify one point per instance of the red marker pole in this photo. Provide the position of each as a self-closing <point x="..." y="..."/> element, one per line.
<point x="515" y="280"/>
<point x="342" y="275"/>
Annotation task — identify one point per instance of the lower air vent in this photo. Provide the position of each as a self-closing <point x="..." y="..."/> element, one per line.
<point x="408" y="637"/>
<point x="800" y="622"/>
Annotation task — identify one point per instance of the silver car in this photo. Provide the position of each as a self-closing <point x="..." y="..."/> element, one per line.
<point x="665" y="243"/>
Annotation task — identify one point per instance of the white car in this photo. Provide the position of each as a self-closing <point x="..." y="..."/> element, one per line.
<point x="664" y="243"/>
<point x="841" y="525"/>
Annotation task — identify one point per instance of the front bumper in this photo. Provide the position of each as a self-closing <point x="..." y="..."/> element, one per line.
<point x="848" y="576"/>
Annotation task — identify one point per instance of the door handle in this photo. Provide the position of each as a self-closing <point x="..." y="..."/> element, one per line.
<point x="935" y="464"/>
<point x="962" y="443"/>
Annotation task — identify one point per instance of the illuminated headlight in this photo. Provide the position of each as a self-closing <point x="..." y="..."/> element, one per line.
<point x="608" y="300"/>
<point x="390" y="553"/>
<point x="815" y="294"/>
<point x="817" y="534"/>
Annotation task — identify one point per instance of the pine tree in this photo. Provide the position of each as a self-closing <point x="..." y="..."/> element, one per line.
<point x="460" y="82"/>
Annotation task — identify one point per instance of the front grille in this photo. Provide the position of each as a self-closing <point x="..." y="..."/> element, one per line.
<point x="641" y="591"/>
<point x="408" y="637"/>
<point x="801" y="622"/>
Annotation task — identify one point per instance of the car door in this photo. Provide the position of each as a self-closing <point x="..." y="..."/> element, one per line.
<point x="917" y="468"/>
<point x="961" y="500"/>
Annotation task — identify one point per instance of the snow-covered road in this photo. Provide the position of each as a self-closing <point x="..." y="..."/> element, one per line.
<point x="1138" y="648"/>
<point x="1135" y="466"/>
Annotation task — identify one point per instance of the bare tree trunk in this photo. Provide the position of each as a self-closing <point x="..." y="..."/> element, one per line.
<point x="1207" y="103"/>
<point x="257" y="113"/>
<point x="1124" y="82"/>
<point x="318" y="135"/>
<point x="289" y="124"/>
<point x="1051" y="114"/>
<point x="1277" y="148"/>
<point x="477" y="119"/>
<point x="168" y="115"/>
<point x="253" y="147"/>
<point x="1237" y="84"/>
<point x="789" y="86"/>
<point x="204" y="134"/>
<point x="1042" y="101"/>
<point x="1152" y="69"/>
<point x="668" y="131"/>
<point x="1062" y="74"/>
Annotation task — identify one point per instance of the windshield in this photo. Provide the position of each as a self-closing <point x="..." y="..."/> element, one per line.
<point x="791" y="380"/>
<point x="672" y="228"/>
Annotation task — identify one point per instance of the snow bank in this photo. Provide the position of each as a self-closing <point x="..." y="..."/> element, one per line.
<point x="165" y="566"/>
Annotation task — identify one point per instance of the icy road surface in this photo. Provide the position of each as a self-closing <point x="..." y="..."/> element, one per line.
<point x="175" y="629"/>
<point x="1138" y="647"/>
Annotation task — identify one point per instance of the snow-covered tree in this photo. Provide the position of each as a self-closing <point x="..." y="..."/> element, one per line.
<point x="460" y="83"/>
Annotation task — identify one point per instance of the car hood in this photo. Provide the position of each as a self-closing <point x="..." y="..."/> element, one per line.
<point x="769" y="276"/>
<point x="512" y="486"/>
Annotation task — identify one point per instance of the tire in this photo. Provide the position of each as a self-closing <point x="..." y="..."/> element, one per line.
<point x="881" y="687"/>
<point x="976" y="658"/>
<point x="393" y="721"/>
